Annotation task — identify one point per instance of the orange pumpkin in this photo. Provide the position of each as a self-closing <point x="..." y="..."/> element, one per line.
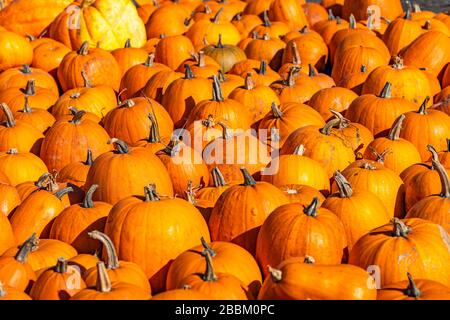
<point x="20" y="167"/>
<point x="127" y="57"/>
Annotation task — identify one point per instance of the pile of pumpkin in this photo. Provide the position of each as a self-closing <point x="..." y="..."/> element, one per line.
<point x="95" y="200"/>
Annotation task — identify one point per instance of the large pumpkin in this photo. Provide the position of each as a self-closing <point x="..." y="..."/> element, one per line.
<point x="21" y="167"/>
<point x="108" y="23"/>
<point x="16" y="50"/>
<point x="401" y="32"/>
<point x="172" y="225"/>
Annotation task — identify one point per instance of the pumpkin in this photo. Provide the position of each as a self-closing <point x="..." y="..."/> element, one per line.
<point x="301" y="194"/>
<point x="295" y="240"/>
<point x="327" y="29"/>
<point x="381" y="181"/>
<point x="302" y="279"/>
<point x="130" y="122"/>
<point x="274" y="29"/>
<point x="257" y="7"/>
<point x="128" y="57"/>
<point x="295" y="60"/>
<point x="335" y="98"/>
<point x="245" y="23"/>
<point x="315" y="13"/>
<point x="84" y="262"/>
<point x="322" y="79"/>
<point x="434" y="59"/>
<point x="98" y="100"/>
<point x="15" y="271"/>
<point x="74" y="223"/>
<point x="404" y="246"/>
<point x="48" y="55"/>
<point x="407" y="82"/>
<point x="295" y="88"/>
<point x="378" y="113"/>
<point x="44" y="252"/>
<point x="400" y="33"/>
<point x="133" y="165"/>
<point x="95" y="23"/>
<point x="186" y="293"/>
<point x="249" y="203"/>
<point x="100" y="66"/>
<point x="435" y="207"/>
<point x="426" y="126"/>
<point x="354" y="81"/>
<point x="419" y="289"/>
<point x="16" y="50"/>
<point x="76" y="172"/>
<point x="157" y="85"/>
<point x="183" y="164"/>
<point x="228" y="258"/>
<point x="21" y="167"/>
<point x="7" y="239"/>
<point x="28" y="218"/>
<point x="360" y="211"/>
<point x="229" y="82"/>
<point x="183" y="94"/>
<point x="164" y="50"/>
<point x="118" y="271"/>
<point x="225" y="55"/>
<point x="80" y="134"/>
<point x="230" y="111"/>
<point x="171" y="20"/>
<point x="444" y="156"/>
<point x="390" y="9"/>
<point x="9" y="293"/>
<point x="397" y="153"/>
<point x="289" y="11"/>
<point x="203" y="66"/>
<point x="266" y="48"/>
<point x="57" y="283"/>
<point x="158" y="218"/>
<point x="297" y="169"/>
<point x="19" y="77"/>
<point x="154" y="141"/>
<point x="39" y="118"/>
<point x="18" y="134"/>
<point x="332" y="152"/>
<point x="220" y="286"/>
<point x="333" y="6"/>
<point x="104" y="289"/>
<point x="305" y="31"/>
<point x="9" y="201"/>
<point x="146" y="9"/>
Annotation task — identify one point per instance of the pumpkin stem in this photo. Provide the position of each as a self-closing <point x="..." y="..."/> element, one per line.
<point x="248" y="179"/>
<point x="217" y="90"/>
<point x="103" y="282"/>
<point x="275" y="274"/>
<point x="291" y="76"/>
<point x="209" y="275"/>
<point x="343" y="122"/>
<point x="423" y="106"/>
<point x="216" y="17"/>
<point x="394" y="133"/>
<point x="207" y="248"/>
<point x="113" y="261"/>
<point x="188" y="74"/>
<point x="400" y="228"/>
<point x="443" y="175"/>
<point x="408" y="14"/>
<point x="368" y="166"/>
<point x="201" y="59"/>
<point x="127" y="44"/>
<point x="207" y="9"/>
<point x="12" y="151"/>
<point x="150" y="193"/>
<point x="226" y="131"/>
<point x="84" y="49"/>
<point x="412" y="290"/>
<point x="381" y="157"/>
<point x="219" y="44"/>
<point x="26" y="248"/>
<point x="345" y="189"/>
<point x="363" y="69"/>
<point x="88" y="202"/>
<point x="312" y="209"/>
<point x="338" y="20"/>
<point x="276" y="111"/>
<point x="398" y="63"/>
<point x="218" y="178"/>
<point x="299" y="150"/>
<point x="25" y="69"/>
<point x="61" y="265"/>
<point x="448" y="145"/>
<point x="309" y="260"/>
<point x="352" y="22"/>
<point x="326" y="130"/>
<point x="249" y="83"/>
<point x="296" y="59"/>
<point x="89" y="159"/>
<point x="266" y="20"/>
<point x="61" y="193"/>
<point x="266" y="36"/>
<point x="76" y="119"/>
<point x="3" y="292"/>
<point x="150" y="59"/>
<point x="10" y="121"/>
<point x="387" y="91"/>
<point x="209" y="122"/>
<point x="331" y="16"/>
<point x="312" y="72"/>
<point x="121" y="146"/>
<point x="26" y="106"/>
<point x="221" y="76"/>
<point x="263" y="68"/>
<point x="154" y="130"/>
<point x="30" y="88"/>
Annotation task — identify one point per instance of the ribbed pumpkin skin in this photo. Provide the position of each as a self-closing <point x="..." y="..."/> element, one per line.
<point x="288" y="232"/>
<point x="429" y="290"/>
<point x="109" y="22"/>
<point x="18" y="77"/>
<point x="21" y="167"/>
<point x="400" y="33"/>
<point x="250" y="205"/>
<point x="390" y="9"/>
<point x="423" y="252"/>
<point x="335" y="98"/>
<point x="289" y="11"/>
<point x="16" y="274"/>
<point x="226" y="55"/>
<point x="173" y="50"/>
<point x="302" y="281"/>
<point x="162" y="224"/>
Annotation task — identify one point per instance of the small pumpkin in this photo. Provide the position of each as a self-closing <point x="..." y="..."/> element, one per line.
<point x="20" y="167"/>
<point x="127" y="57"/>
<point x="225" y="55"/>
<point x="401" y="32"/>
<point x="289" y="11"/>
<point x="168" y="45"/>
<point x="275" y="29"/>
<point x="302" y="194"/>
<point x="19" y="77"/>
<point x="354" y="81"/>
<point x="336" y="98"/>
<point x="76" y="172"/>
<point x="268" y="49"/>
<point x="39" y="118"/>
<point x="17" y="50"/>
